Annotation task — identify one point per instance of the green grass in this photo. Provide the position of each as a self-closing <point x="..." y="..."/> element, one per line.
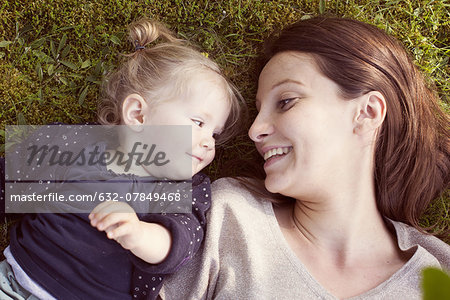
<point x="54" y="53"/>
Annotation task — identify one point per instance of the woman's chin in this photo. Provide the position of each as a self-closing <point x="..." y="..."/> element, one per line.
<point x="274" y="185"/>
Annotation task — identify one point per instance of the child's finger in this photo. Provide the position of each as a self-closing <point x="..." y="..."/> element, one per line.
<point x="100" y="211"/>
<point x="110" y="229"/>
<point x="98" y="218"/>
<point x="122" y="234"/>
<point x="112" y="219"/>
<point x="104" y="209"/>
<point x="102" y="206"/>
<point x="119" y="231"/>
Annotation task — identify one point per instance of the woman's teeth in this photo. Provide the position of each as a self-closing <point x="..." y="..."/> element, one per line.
<point x="276" y="151"/>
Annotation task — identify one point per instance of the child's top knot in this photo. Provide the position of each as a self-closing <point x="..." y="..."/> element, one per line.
<point x="161" y="71"/>
<point x="145" y="31"/>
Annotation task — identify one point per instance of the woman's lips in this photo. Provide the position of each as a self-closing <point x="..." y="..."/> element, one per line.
<point x="275" y="151"/>
<point x="274" y="154"/>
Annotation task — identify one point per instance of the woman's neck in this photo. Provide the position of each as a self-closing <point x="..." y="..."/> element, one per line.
<point x="343" y="242"/>
<point x="345" y="228"/>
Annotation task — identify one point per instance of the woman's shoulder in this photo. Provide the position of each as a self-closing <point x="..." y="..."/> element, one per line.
<point x="230" y="185"/>
<point x="227" y="184"/>
<point x="409" y="237"/>
<point x="232" y="191"/>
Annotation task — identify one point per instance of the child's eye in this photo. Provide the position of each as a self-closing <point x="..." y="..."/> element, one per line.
<point x="198" y="122"/>
<point x="286" y="104"/>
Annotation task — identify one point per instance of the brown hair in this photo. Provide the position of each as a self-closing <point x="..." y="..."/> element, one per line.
<point x="160" y="72"/>
<point x="412" y="150"/>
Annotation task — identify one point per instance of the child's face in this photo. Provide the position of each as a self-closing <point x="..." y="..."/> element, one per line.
<point x="205" y="107"/>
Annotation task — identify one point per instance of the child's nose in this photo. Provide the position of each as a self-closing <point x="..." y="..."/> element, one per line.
<point x="207" y="142"/>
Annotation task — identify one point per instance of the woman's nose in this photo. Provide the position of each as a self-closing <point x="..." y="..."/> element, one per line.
<point x="260" y="128"/>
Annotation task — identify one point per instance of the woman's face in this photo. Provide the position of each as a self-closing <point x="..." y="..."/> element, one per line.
<point x="304" y="129"/>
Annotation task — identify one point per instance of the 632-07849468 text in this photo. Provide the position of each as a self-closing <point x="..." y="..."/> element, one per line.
<point x="129" y="197"/>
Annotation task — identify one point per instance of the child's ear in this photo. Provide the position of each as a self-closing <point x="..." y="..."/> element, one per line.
<point x="371" y="112"/>
<point x="133" y="108"/>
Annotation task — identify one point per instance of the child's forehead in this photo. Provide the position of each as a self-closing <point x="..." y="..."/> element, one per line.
<point x="207" y="75"/>
<point x="196" y="88"/>
<point x="204" y="80"/>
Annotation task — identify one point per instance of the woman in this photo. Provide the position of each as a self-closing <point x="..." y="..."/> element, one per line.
<point x="356" y="144"/>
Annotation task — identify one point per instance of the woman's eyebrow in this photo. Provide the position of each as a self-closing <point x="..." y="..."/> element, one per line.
<point x="285" y="81"/>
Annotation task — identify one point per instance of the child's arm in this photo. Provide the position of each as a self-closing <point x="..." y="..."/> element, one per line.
<point x="150" y="242"/>
<point x="187" y="229"/>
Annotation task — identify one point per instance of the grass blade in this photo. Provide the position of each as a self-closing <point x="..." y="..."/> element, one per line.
<point x="21" y="119"/>
<point x="39" y="72"/>
<point x="53" y="50"/>
<point x="322" y="6"/>
<point x="4" y="44"/>
<point x="62" y="42"/>
<point x="69" y="64"/>
<point x="83" y="95"/>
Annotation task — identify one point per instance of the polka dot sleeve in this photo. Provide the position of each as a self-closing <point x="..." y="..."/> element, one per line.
<point x="2" y="188"/>
<point x="187" y="234"/>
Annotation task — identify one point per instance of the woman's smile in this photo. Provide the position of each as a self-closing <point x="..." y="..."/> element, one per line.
<point x="274" y="154"/>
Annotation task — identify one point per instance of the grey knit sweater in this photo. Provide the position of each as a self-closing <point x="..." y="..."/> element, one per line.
<point x="245" y="256"/>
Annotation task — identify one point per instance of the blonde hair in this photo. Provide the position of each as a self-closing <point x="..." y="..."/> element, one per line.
<point x="152" y="67"/>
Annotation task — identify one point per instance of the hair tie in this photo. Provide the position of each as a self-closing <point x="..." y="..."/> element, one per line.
<point x="137" y="46"/>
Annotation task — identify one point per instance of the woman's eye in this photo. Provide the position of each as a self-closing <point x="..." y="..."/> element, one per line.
<point x="285" y="104"/>
<point x="198" y="122"/>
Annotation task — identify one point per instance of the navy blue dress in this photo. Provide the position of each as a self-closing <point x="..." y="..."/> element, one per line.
<point x="71" y="259"/>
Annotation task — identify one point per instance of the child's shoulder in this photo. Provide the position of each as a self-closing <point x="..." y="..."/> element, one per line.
<point x="201" y="179"/>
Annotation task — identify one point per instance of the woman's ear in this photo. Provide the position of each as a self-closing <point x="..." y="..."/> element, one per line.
<point x="371" y="112"/>
<point x="133" y="108"/>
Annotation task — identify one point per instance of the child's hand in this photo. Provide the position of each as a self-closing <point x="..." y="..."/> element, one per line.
<point x="150" y="242"/>
<point x="119" y="221"/>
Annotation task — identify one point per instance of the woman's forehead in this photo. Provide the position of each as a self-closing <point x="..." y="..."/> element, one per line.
<point x="285" y="68"/>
